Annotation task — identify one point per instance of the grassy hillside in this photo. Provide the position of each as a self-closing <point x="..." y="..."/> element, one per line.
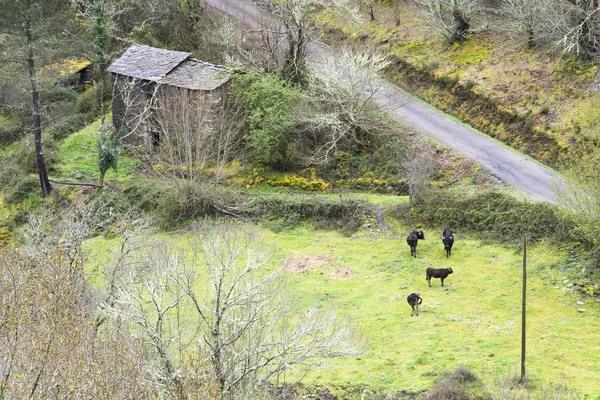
<point x="78" y="154"/>
<point x="473" y="321"/>
<point x="536" y="100"/>
<point x="321" y="214"/>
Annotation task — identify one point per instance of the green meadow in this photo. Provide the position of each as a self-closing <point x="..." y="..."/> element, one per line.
<point x="473" y="321"/>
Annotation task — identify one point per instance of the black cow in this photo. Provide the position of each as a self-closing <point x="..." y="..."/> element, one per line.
<point x="414" y="299"/>
<point x="441" y="273"/>
<point x="413" y="239"/>
<point x="448" y="241"/>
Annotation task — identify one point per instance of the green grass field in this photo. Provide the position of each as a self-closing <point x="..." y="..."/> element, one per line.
<point x="79" y="158"/>
<point x="473" y="321"/>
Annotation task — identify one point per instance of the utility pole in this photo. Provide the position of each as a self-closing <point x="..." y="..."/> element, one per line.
<point x="524" y="307"/>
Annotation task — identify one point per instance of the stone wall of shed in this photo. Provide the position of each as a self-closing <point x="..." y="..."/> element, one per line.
<point x="182" y="111"/>
<point x="174" y="109"/>
<point x="130" y="103"/>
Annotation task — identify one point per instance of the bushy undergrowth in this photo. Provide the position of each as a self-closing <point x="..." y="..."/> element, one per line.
<point x="382" y="160"/>
<point x="182" y="201"/>
<point x="65" y="126"/>
<point x="289" y="210"/>
<point x="453" y="386"/>
<point x="491" y="214"/>
<point x="11" y="125"/>
<point x="185" y="200"/>
<point x="15" y="183"/>
<point x="24" y="153"/>
<point x="90" y="102"/>
<point x="448" y="391"/>
<point x="270" y="104"/>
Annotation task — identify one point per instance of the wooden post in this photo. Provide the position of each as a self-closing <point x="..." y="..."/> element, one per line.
<point x="524" y="307"/>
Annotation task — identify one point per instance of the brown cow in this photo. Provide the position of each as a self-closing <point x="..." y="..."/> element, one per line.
<point x="441" y="273"/>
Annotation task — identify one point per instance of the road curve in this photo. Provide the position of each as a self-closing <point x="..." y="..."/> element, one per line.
<point x="507" y="164"/>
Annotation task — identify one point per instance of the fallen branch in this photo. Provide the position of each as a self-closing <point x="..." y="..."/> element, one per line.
<point x="76" y="184"/>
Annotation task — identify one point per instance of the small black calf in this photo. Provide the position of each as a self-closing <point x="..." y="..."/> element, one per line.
<point x="441" y="273"/>
<point x="448" y="241"/>
<point x="414" y="299"/>
<point x="413" y="239"/>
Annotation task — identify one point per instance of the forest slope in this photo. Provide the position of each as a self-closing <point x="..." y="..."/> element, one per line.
<point x="538" y="100"/>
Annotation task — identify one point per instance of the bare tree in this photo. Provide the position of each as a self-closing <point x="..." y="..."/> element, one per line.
<point x="418" y="166"/>
<point x="196" y="132"/>
<point x="345" y="92"/>
<point x="147" y="296"/>
<point x="579" y="28"/>
<point x="246" y="317"/>
<point x="289" y="31"/>
<point x="527" y="18"/>
<point x="47" y="343"/>
<point x="247" y="331"/>
<point x="450" y="18"/>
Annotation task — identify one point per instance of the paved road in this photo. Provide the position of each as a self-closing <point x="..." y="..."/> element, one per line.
<point x="506" y="164"/>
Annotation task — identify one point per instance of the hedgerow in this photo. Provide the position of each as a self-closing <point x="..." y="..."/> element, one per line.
<point x="491" y="214"/>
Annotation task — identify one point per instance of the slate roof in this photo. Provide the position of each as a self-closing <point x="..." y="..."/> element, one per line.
<point x="197" y="75"/>
<point x="174" y="68"/>
<point x="145" y="62"/>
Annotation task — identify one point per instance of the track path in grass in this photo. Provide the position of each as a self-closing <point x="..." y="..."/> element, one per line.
<point x="509" y="165"/>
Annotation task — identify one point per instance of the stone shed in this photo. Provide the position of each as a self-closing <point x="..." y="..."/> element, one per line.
<point x="69" y="73"/>
<point x="152" y="83"/>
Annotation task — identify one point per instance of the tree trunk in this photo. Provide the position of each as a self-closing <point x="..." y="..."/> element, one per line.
<point x="371" y="11"/>
<point x="587" y="41"/>
<point x="37" y="121"/>
<point x="531" y="38"/>
<point x="461" y="26"/>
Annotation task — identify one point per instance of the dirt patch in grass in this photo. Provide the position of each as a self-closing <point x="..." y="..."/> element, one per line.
<point x="302" y="264"/>
<point x="342" y="273"/>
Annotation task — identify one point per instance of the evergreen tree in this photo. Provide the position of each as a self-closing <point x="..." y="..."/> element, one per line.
<point x="31" y="28"/>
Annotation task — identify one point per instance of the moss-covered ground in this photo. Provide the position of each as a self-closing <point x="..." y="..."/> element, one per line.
<point x="474" y="320"/>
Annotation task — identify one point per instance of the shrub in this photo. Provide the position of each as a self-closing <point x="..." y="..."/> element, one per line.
<point x="144" y="196"/>
<point x="55" y="93"/>
<point x="15" y="183"/>
<point x="399" y="187"/>
<point x="90" y="102"/>
<point x="381" y="159"/>
<point x="345" y="214"/>
<point x="65" y="126"/>
<point x="11" y="128"/>
<point x="9" y="173"/>
<point x="269" y="103"/>
<point x="462" y="375"/>
<point x="448" y="391"/>
<point x="24" y="154"/>
<point x="187" y="200"/>
<point x="292" y="181"/>
<point x="21" y="190"/>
